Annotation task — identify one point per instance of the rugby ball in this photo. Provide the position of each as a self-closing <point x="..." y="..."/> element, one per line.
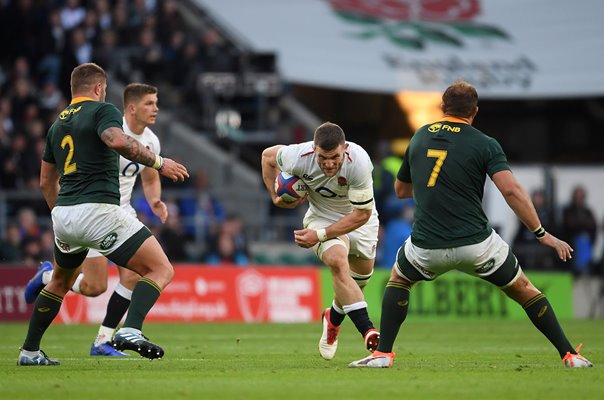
<point x="289" y="187"/>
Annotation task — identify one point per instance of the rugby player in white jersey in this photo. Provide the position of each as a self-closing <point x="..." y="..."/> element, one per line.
<point x="341" y="224"/>
<point x="140" y="111"/>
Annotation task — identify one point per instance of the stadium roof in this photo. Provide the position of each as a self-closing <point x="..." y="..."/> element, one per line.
<point x="507" y="48"/>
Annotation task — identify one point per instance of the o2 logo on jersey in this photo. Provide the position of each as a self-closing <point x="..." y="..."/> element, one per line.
<point x="134" y="166"/>
<point x="327" y="192"/>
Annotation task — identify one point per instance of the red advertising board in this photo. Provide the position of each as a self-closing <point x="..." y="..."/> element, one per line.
<point x="12" y="285"/>
<point x="218" y="294"/>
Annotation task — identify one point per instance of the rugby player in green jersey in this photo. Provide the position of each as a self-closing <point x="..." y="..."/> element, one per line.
<point x="444" y="170"/>
<point x="79" y="180"/>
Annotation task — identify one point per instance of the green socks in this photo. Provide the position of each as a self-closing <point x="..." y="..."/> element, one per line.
<point x="395" y="305"/>
<point x="542" y="315"/>
<point x="145" y="294"/>
<point x="46" y="308"/>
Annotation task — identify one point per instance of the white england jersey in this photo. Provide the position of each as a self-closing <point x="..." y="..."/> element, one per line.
<point x="336" y="196"/>
<point x="129" y="170"/>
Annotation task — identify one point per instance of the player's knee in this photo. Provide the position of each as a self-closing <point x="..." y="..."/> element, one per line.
<point x="165" y="274"/>
<point x="169" y="273"/>
<point x="360" y="279"/>
<point x="337" y="265"/>
<point x="93" y="289"/>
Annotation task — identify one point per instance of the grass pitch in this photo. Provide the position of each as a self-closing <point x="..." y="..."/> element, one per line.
<point x="435" y="360"/>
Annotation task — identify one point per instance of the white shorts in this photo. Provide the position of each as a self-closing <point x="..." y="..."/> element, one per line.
<point x="363" y="241"/>
<point x="97" y="226"/>
<point x="92" y="253"/>
<point x="482" y="259"/>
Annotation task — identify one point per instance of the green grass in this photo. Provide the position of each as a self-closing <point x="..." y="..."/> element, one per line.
<point x="435" y="360"/>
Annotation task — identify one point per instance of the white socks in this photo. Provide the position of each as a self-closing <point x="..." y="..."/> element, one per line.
<point x="355" y="306"/>
<point x="47" y="276"/>
<point x="76" y="285"/>
<point x="105" y="335"/>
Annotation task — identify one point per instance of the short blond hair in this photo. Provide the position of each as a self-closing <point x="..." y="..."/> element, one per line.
<point x="85" y="76"/>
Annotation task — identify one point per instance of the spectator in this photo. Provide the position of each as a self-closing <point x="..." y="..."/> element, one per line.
<point x="53" y="40"/>
<point x="81" y="46"/>
<point x="172" y="235"/>
<point x="385" y="169"/>
<point x="49" y="99"/>
<point x="201" y="211"/>
<point x="28" y="224"/>
<point x="6" y="120"/>
<point x="47" y="243"/>
<point x="10" y="247"/>
<point x="105" y="53"/>
<point x="580" y="230"/>
<point x="169" y="20"/>
<point x="229" y="246"/>
<point x="72" y="14"/>
<point x="31" y="251"/>
<point x="103" y="10"/>
<point x="397" y="230"/>
<point x="120" y="25"/>
<point x="148" y="56"/>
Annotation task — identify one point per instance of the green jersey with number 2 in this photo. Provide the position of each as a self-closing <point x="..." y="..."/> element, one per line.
<point x="88" y="168"/>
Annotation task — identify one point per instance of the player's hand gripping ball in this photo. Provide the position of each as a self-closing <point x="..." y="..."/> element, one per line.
<point x="289" y="187"/>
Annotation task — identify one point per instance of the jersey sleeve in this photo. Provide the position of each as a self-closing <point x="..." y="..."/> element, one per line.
<point x="287" y="157"/>
<point x="48" y="156"/>
<point x="404" y="172"/>
<point x="360" y="192"/>
<point x="495" y="158"/>
<point x="108" y="116"/>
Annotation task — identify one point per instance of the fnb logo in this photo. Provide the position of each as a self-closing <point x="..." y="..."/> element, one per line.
<point x="450" y="128"/>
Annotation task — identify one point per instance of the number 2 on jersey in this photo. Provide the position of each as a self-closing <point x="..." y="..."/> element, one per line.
<point x="440" y="156"/>
<point x="69" y="167"/>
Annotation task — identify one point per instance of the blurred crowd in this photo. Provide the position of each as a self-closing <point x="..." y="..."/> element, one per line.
<point x="141" y="40"/>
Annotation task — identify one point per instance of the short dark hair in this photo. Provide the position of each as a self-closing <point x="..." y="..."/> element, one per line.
<point x="135" y="91"/>
<point x="328" y="136"/>
<point x="460" y="99"/>
<point x="85" y="76"/>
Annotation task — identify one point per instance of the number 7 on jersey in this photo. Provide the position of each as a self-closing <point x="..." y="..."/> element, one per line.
<point x="440" y="156"/>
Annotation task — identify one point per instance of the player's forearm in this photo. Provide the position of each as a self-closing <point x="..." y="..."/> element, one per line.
<point x="520" y="202"/>
<point x="269" y="168"/>
<point x="50" y="192"/>
<point x="135" y="151"/>
<point x="128" y="147"/>
<point x="348" y="223"/>
<point x="151" y="185"/>
<point x="49" y="183"/>
<point x="403" y="190"/>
